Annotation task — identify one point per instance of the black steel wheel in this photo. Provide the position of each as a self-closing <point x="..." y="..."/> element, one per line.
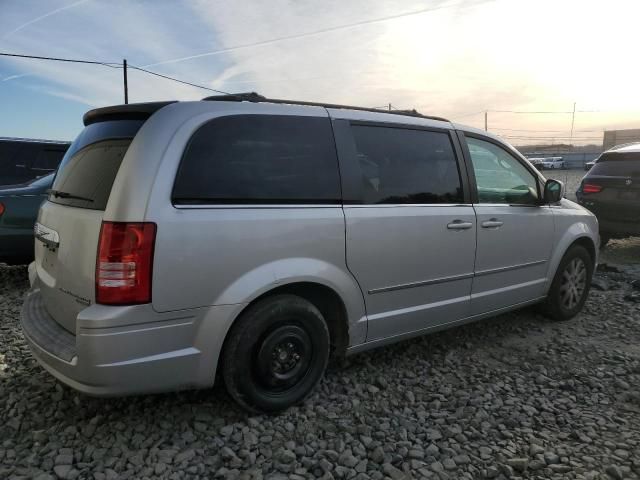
<point x="275" y="353"/>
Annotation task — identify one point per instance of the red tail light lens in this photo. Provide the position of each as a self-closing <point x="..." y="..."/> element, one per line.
<point x="1" y="208"/>
<point x="591" y="188"/>
<point x="124" y="263"/>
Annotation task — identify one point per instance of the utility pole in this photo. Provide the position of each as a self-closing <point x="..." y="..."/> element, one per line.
<point x="573" y="119"/>
<point x="486" y="128"/>
<point x="389" y="107"/>
<point x="126" y="86"/>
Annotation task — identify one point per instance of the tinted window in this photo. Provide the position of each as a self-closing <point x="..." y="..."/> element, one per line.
<point x="617" y="164"/>
<point x="500" y="177"/>
<point x="260" y="159"/>
<point x="89" y="167"/>
<point x="48" y="159"/>
<point x="8" y="152"/>
<point x="406" y="166"/>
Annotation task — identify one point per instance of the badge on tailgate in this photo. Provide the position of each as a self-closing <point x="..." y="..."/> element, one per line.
<point x="46" y="235"/>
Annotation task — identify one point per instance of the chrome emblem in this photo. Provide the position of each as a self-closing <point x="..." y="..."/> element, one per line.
<point x="628" y="181"/>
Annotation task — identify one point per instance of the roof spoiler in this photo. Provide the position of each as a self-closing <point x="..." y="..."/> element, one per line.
<point x="131" y="111"/>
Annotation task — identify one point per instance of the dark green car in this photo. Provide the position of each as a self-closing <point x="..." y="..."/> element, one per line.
<point x="19" y="205"/>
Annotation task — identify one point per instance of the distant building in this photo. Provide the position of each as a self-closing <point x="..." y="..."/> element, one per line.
<point x="618" y="137"/>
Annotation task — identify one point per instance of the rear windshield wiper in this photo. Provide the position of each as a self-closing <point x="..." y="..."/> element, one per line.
<point x="59" y="194"/>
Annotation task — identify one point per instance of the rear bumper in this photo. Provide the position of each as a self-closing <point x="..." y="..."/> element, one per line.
<point x="607" y="224"/>
<point x="147" y="352"/>
<point x="613" y="228"/>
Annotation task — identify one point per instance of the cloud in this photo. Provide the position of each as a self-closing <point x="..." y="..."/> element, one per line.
<point x="443" y="57"/>
<point x="42" y="17"/>
<point x="14" y="77"/>
<point x="313" y="33"/>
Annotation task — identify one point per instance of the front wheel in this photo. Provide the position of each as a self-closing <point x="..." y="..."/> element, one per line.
<point x="275" y="354"/>
<point x="571" y="284"/>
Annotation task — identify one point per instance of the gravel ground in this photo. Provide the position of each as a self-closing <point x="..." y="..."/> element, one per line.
<point x="516" y="396"/>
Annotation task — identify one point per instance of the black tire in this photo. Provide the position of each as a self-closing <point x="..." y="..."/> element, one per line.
<point x="275" y="354"/>
<point x="561" y="304"/>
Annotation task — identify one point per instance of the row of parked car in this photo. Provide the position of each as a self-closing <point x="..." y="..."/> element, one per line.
<point x="547" y="163"/>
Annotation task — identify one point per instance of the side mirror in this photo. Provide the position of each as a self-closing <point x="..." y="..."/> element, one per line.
<point x="553" y="191"/>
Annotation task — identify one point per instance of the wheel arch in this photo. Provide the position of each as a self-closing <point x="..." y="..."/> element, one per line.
<point x="568" y="241"/>
<point x="326" y="300"/>
<point x="323" y="297"/>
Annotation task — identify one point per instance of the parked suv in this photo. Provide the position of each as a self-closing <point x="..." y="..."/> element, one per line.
<point x="611" y="190"/>
<point x="255" y="238"/>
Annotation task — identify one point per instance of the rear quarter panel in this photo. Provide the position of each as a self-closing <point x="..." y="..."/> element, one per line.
<point x="230" y="255"/>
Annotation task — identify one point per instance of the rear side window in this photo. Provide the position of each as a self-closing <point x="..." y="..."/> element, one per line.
<point x="617" y="164"/>
<point x="269" y="159"/>
<point x="406" y="166"/>
<point x="89" y="168"/>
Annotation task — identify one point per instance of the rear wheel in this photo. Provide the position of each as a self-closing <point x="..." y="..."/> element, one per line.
<point x="275" y="354"/>
<point x="570" y="286"/>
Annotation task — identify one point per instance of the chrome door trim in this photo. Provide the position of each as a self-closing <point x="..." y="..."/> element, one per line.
<point x="396" y="205"/>
<point x="510" y="267"/>
<point x="421" y="283"/>
<point x="453" y="278"/>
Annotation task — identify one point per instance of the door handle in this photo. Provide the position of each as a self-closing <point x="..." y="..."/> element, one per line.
<point x="493" y="223"/>
<point x="459" y="225"/>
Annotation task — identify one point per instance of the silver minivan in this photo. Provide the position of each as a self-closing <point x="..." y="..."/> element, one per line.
<point x="253" y="239"/>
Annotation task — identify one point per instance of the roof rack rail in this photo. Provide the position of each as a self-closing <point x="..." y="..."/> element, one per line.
<point x="257" y="98"/>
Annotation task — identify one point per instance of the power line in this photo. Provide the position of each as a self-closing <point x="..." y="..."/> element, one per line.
<point x="57" y="59"/>
<point x="526" y="112"/>
<point x="552" y="138"/>
<point x="469" y="114"/>
<point x="570" y="112"/>
<point x="178" y="80"/>
<point x="111" y="65"/>
<point x="526" y="130"/>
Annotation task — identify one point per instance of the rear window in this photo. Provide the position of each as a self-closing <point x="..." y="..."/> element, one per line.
<point x="269" y="159"/>
<point x="89" y="168"/>
<point x="617" y="164"/>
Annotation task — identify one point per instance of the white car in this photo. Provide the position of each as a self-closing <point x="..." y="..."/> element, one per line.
<point x="552" y="163"/>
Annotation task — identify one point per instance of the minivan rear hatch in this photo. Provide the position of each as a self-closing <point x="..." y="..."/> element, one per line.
<point x="69" y="222"/>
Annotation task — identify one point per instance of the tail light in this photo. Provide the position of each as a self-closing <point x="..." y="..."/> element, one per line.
<point x="124" y="263"/>
<point x="1" y="208"/>
<point x="591" y="188"/>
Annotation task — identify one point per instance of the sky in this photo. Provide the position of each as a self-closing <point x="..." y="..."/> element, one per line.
<point x="451" y="58"/>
